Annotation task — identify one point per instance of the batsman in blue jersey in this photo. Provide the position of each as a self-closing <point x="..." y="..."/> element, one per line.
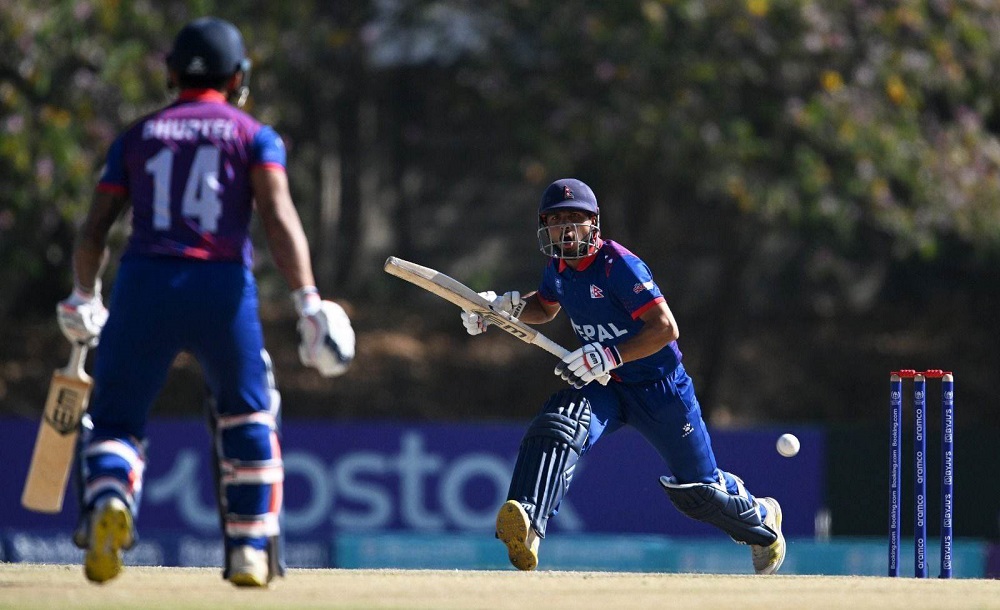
<point x="628" y="372"/>
<point x="193" y="173"/>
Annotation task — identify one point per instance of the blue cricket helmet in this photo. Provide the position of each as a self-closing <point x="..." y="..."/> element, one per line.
<point x="577" y="240"/>
<point x="208" y="49"/>
<point x="568" y="193"/>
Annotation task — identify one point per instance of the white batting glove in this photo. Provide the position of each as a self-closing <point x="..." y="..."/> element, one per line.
<point x="590" y="362"/>
<point x="474" y="323"/>
<point x="327" y="340"/>
<point x="82" y="316"/>
<point x="510" y="302"/>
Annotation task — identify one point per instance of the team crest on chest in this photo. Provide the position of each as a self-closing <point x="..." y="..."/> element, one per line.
<point x="595" y="292"/>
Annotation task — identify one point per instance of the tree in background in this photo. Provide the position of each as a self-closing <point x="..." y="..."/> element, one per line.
<point x="786" y="160"/>
<point x="68" y="72"/>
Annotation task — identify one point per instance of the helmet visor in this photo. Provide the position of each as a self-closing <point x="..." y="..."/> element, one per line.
<point x="569" y="240"/>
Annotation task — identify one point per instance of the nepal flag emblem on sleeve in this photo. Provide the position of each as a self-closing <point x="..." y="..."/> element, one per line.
<point x="596" y="293"/>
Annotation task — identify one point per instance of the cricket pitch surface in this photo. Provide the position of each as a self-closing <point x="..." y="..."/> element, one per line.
<point x="29" y="586"/>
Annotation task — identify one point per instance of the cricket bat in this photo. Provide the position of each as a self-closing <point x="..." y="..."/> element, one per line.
<point x="55" y="444"/>
<point x="468" y="299"/>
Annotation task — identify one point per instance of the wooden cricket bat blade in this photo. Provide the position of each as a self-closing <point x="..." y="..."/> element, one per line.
<point x="438" y="283"/>
<point x="457" y="293"/>
<point x="55" y="445"/>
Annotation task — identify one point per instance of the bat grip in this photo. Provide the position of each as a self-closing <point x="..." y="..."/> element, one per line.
<point x="550" y="346"/>
<point x="77" y="359"/>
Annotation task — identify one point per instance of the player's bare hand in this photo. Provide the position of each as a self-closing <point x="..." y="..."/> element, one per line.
<point x="590" y="362"/>
<point x="327" y="340"/>
<point x="81" y="317"/>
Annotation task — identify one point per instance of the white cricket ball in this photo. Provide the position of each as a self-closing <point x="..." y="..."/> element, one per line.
<point x="788" y="445"/>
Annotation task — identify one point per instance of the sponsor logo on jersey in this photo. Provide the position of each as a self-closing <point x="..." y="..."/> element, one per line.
<point x="643" y="286"/>
<point x="596" y="293"/>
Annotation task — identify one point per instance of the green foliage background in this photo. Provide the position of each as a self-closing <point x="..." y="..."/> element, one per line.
<point x="815" y="184"/>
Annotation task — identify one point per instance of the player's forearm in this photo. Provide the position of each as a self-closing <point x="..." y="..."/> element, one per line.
<point x="290" y="251"/>
<point x="90" y="255"/>
<point x="646" y="343"/>
<point x="535" y="311"/>
<point x="89" y="259"/>
<point x="285" y="237"/>
<point x="658" y="330"/>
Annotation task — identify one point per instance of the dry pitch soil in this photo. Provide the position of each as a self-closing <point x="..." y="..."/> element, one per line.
<point x="28" y="586"/>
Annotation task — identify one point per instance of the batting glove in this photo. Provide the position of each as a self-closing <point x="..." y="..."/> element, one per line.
<point x="82" y="315"/>
<point x="326" y="338"/>
<point x="474" y="323"/>
<point x="511" y="302"/>
<point x="588" y="363"/>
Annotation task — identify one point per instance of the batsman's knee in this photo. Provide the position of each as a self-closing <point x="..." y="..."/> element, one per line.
<point x="547" y="459"/>
<point x="565" y="418"/>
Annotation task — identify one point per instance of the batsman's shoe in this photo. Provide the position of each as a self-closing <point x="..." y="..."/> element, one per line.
<point x="515" y="531"/>
<point x="248" y="567"/>
<point x="767" y="559"/>
<point x="110" y="532"/>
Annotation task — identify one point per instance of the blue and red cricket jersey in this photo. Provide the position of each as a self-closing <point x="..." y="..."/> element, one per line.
<point x="185" y="169"/>
<point x="604" y="299"/>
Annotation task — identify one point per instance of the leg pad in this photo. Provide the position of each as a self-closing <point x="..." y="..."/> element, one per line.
<point x="549" y="452"/>
<point x="738" y="516"/>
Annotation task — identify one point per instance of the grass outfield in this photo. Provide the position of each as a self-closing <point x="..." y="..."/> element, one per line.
<point x="28" y="586"/>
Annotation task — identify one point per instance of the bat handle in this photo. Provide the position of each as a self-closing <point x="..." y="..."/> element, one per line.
<point x="77" y="359"/>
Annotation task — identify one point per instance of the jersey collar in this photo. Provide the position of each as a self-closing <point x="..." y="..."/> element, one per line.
<point x="201" y="95"/>
<point x="585" y="262"/>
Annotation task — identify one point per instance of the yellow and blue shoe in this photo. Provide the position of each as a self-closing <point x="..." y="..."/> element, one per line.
<point x="249" y="567"/>
<point x="515" y="531"/>
<point x="767" y="559"/>
<point x="110" y="532"/>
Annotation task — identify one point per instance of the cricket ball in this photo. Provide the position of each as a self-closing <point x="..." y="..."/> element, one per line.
<point x="788" y="445"/>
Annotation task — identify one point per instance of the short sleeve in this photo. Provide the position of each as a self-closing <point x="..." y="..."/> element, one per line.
<point x="633" y="284"/>
<point x="268" y="148"/>
<point x="113" y="177"/>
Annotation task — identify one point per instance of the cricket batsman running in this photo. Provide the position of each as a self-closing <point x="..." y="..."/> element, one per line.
<point x="628" y="331"/>
<point x="193" y="174"/>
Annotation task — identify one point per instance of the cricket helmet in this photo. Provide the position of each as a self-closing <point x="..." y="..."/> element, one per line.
<point x="569" y="194"/>
<point x="209" y="50"/>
